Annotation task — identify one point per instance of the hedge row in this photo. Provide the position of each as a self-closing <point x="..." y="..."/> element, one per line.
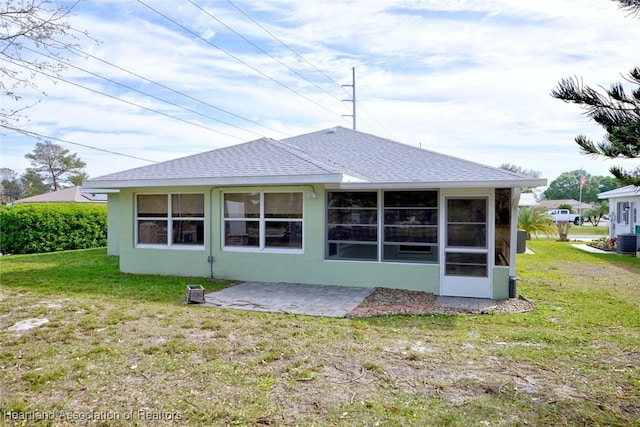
<point x="38" y="228"/>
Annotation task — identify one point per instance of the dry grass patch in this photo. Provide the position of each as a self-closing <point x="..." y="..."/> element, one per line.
<point x="109" y="354"/>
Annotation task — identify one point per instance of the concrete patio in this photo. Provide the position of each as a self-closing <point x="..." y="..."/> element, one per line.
<point x="312" y="300"/>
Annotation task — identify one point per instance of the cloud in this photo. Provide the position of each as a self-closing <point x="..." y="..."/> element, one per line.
<point x="469" y="78"/>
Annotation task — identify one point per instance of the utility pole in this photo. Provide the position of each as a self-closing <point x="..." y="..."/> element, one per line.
<point x="353" y="97"/>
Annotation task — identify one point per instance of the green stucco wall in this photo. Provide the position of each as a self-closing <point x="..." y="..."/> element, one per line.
<point x="113" y="224"/>
<point x="500" y="282"/>
<point x="307" y="267"/>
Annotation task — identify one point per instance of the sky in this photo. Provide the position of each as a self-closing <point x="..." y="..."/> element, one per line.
<point x="164" y="79"/>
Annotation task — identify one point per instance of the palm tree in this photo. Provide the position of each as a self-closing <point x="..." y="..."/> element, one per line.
<point x="535" y="220"/>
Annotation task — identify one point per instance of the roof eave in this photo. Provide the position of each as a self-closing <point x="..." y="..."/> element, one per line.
<point x="443" y="184"/>
<point x="628" y="191"/>
<point x="214" y="182"/>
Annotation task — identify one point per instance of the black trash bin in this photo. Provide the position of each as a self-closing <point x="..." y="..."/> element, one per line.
<point x="521" y="242"/>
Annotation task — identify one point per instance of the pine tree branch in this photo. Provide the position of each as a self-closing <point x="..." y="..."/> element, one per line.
<point x="624" y="177"/>
<point x="631" y="6"/>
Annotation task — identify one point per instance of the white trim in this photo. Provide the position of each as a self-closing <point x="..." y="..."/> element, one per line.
<point x="269" y="250"/>
<point x="99" y="190"/>
<point x="437" y="185"/>
<point x="513" y="235"/>
<point x="232" y="181"/>
<point x="380" y="224"/>
<point x="332" y="181"/>
<point x="261" y="220"/>
<point x="169" y="219"/>
<point x="628" y="191"/>
<point x="467" y="286"/>
<point x="164" y="247"/>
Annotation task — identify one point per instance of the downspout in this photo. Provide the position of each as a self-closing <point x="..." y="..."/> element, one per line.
<point x="515" y="196"/>
<point x="210" y="257"/>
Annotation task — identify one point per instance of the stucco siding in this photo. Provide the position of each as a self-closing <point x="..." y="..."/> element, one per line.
<point x="113" y="224"/>
<point x="617" y="224"/>
<point x="306" y="266"/>
<point x="500" y="282"/>
<point x="311" y="267"/>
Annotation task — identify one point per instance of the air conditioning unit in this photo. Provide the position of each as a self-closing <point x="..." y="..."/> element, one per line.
<point x="627" y="243"/>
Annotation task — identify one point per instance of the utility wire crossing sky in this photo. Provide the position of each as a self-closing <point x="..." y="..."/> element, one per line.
<point x="467" y="78"/>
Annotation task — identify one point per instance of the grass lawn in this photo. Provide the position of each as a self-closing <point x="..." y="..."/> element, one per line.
<point x="124" y="349"/>
<point x="588" y="229"/>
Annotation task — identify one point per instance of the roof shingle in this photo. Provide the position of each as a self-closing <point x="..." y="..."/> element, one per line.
<point x="328" y="153"/>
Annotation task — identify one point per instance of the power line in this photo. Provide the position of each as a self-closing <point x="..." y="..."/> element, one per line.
<point x="263" y="51"/>
<point x="303" y="59"/>
<point x="283" y="43"/>
<point x="122" y="100"/>
<point x="40" y="136"/>
<point x="374" y="119"/>
<point x="238" y="59"/>
<point x="175" y="91"/>
<point x="143" y="93"/>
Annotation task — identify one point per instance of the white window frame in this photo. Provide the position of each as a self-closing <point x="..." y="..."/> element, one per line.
<point x="169" y="218"/>
<point x="261" y="220"/>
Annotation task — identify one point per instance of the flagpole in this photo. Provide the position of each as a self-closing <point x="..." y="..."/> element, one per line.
<point x="583" y="179"/>
<point x="580" y="206"/>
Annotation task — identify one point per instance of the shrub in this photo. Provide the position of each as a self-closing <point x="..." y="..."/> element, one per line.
<point x="37" y="228"/>
<point x="604" y="243"/>
<point x="535" y="220"/>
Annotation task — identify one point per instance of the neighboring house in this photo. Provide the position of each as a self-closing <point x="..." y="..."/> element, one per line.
<point x="67" y="195"/>
<point x="335" y="207"/>
<point x="576" y="206"/>
<point x="624" y="207"/>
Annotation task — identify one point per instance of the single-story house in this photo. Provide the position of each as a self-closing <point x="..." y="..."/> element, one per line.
<point x="66" y="195"/>
<point x="624" y="204"/>
<point x="336" y="207"/>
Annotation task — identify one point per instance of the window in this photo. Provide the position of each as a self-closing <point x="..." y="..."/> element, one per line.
<point x="352" y="225"/>
<point x="466" y="251"/>
<point x="170" y="219"/>
<point x="410" y="226"/>
<point x="263" y="220"/>
<point x="623" y="213"/>
<point x="409" y="229"/>
<point x="467" y="223"/>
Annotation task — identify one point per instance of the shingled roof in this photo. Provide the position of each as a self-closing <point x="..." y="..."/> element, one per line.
<point x="66" y="195"/>
<point x="332" y="156"/>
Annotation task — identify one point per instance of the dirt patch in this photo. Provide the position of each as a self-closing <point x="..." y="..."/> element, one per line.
<point x="386" y="302"/>
<point x="230" y="367"/>
<point x="26" y="324"/>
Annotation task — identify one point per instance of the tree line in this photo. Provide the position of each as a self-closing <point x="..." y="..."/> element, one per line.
<point x="569" y="185"/>
<point x="53" y="168"/>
